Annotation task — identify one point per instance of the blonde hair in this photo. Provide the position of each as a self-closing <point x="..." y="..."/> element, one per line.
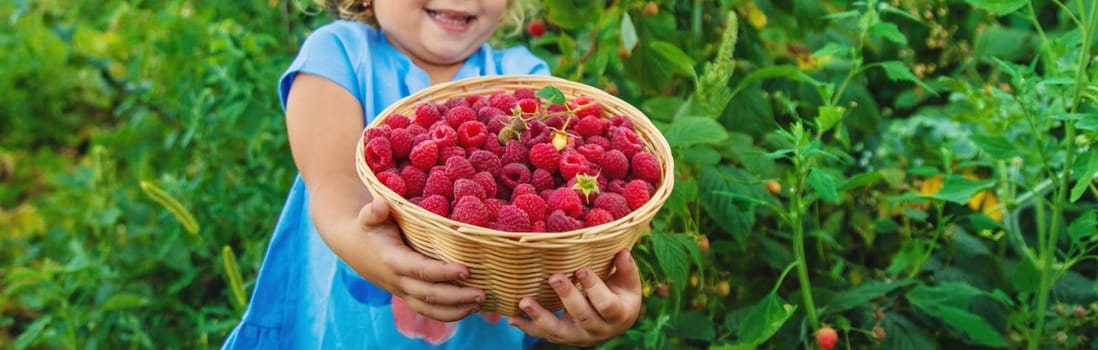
<point x="354" y="10"/>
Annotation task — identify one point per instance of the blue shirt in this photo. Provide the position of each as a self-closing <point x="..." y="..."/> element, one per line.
<point x="305" y="296"/>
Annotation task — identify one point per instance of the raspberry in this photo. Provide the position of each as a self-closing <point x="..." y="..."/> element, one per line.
<point x="572" y="163"/>
<point x="393" y="181"/>
<point x="613" y="203"/>
<point x="597" y="217"/>
<point x="436" y="204"/>
<point x="621" y="121"/>
<point x="536" y="28"/>
<point x="489" y="113"/>
<point x="438" y="183"/>
<point x="567" y="200"/>
<point x="470" y="210"/>
<point x="646" y="167"/>
<point x="502" y="101"/>
<point x="445" y="153"/>
<point x="493" y="205"/>
<point x="472" y="134"/>
<point x="555" y="122"/>
<point x="424" y="155"/>
<point x="427" y="114"/>
<point x="585" y="106"/>
<point x="492" y="145"/>
<point x="485" y="161"/>
<point x="556" y="110"/>
<point x="414" y="180"/>
<point x="512" y="219"/>
<point x="466" y="187"/>
<point x="636" y="193"/>
<point x="544" y="156"/>
<point x="591" y="126"/>
<point x="379" y="155"/>
<point x="397" y="121"/>
<point x="416" y="130"/>
<point x="455" y="102"/>
<point x="495" y="125"/>
<point x="459" y="168"/>
<point x="826" y="337"/>
<point x="598" y="140"/>
<point x="626" y="141"/>
<point x="537" y="133"/>
<point x="538" y="226"/>
<point x="543" y="180"/>
<point x="522" y="189"/>
<point x="459" y="115"/>
<point x="378" y="132"/>
<point x="532" y="204"/>
<point x="558" y="221"/>
<point x="444" y="135"/>
<point x="592" y="152"/>
<point x="477" y="104"/>
<point x="400" y="140"/>
<point x="419" y="138"/>
<point x="473" y="99"/>
<point x="486" y="182"/>
<point x="514" y="174"/>
<point x="524" y="93"/>
<point x="514" y="152"/>
<point x="616" y="186"/>
<point x="528" y="105"/>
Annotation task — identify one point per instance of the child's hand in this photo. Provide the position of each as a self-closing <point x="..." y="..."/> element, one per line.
<point x="607" y="310"/>
<point x="425" y="284"/>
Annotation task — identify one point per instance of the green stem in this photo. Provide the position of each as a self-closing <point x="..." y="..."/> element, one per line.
<point x="797" y="214"/>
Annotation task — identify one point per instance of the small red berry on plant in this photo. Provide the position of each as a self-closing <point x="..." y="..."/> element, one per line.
<point x="826" y="337"/>
<point x="536" y="28"/>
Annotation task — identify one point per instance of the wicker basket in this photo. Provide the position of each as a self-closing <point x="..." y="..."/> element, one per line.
<point x="506" y="265"/>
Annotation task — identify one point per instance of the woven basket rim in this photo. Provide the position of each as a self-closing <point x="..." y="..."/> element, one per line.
<point x="654" y="143"/>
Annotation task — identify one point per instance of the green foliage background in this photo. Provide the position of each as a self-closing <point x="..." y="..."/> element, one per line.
<point x="934" y="157"/>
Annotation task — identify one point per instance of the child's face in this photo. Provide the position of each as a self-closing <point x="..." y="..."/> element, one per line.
<point x="439" y="32"/>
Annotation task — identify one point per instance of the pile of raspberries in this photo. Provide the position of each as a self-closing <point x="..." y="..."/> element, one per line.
<point x="513" y="161"/>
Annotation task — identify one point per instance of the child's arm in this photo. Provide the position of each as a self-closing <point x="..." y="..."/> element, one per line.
<point x="324" y="121"/>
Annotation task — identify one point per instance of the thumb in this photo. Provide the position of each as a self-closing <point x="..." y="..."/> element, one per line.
<point x="626" y="275"/>
<point x="374" y="213"/>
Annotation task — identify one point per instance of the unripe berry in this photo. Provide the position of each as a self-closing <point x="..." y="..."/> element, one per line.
<point x="879" y="333"/>
<point x="826" y="337"/>
<point x="651" y="9"/>
<point x="774" y="187"/>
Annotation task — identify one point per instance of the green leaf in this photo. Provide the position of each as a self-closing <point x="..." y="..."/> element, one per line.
<point x="228" y="259"/>
<point x="997" y="147"/>
<point x="1085" y="121"/>
<point x="905" y="335"/>
<point x="1026" y="276"/>
<point x="783" y="71"/>
<point x="829" y="116"/>
<point x="861" y="295"/>
<point x="701" y="154"/>
<point x="694" y="325"/>
<point x="958" y="189"/>
<point x="567" y="15"/>
<point x="628" y="32"/>
<point x="689" y="131"/>
<point x="675" y="56"/>
<point x="30" y="335"/>
<point x="1086" y="175"/>
<point x="889" y="31"/>
<point x="551" y="94"/>
<point x="173" y="206"/>
<point x="124" y="301"/>
<point x="898" y="71"/>
<point x="672" y="258"/>
<point x="1084" y="227"/>
<point x="824" y="184"/>
<point x="949" y="302"/>
<point x="712" y="181"/>
<point x="663" y="108"/>
<point x="767" y="317"/>
<point x="999" y="7"/>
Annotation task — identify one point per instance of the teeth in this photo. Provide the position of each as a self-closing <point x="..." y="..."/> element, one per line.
<point x="451" y="20"/>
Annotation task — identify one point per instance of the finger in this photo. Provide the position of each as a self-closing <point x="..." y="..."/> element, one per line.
<point x="626" y="277"/>
<point x="444" y="313"/>
<point x="544" y="324"/>
<point x="576" y="303"/>
<point x="411" y="264"/>
<point x="607" y="306"/>
<point x="443" y="294"/>
<point x="374" y="213"/>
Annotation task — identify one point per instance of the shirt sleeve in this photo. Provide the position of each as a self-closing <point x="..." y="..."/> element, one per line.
<point x="326" y="53"/>
<point x="519" y="60"/>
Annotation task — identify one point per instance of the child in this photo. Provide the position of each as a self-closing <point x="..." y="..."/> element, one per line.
<point x="337" y="273"/>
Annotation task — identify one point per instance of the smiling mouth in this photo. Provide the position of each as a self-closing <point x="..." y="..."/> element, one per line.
<point x="451" y="17"/>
